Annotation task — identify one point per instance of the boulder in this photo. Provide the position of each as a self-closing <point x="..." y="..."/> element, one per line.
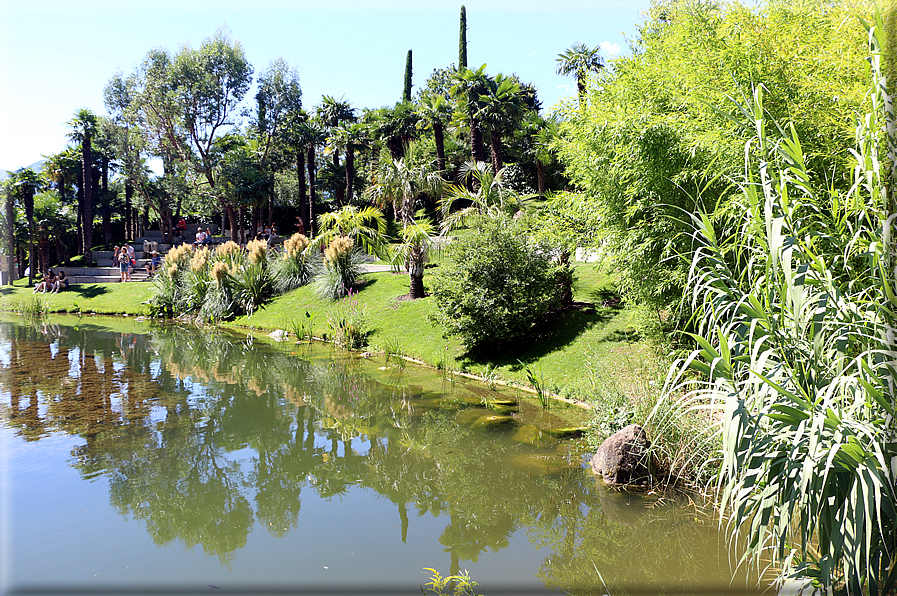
<point x="624" y="458"/>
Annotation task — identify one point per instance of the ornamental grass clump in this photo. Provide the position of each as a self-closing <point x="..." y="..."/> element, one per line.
<point x="219" y="303"/>
<point x="795" y="312"/>
<point x="252" y="282"/>
<point x="340" y="271"/>
<point x="173" y="291"/>
<point x="294" y="268"/>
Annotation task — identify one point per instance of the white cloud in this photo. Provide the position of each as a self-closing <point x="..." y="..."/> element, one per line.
<point x="609" y="49"/>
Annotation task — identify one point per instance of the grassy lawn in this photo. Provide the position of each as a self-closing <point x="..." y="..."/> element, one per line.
<point x="587" y="352"/>
<point x="112" y="299"/>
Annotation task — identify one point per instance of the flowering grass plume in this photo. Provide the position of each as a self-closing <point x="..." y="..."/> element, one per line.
<point x="257" y="251"/>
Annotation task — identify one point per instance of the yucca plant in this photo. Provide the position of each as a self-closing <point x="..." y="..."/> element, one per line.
<point x="795" y="317"/>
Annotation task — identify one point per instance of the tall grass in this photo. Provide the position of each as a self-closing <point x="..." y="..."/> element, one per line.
<point x="795" y="316"/>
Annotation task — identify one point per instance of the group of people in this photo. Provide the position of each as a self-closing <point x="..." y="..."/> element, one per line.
<point x="267" y="233"/>
<point x="126" y="260"/>
<point x="52" y="283"/>
<point x="202" y="237"/>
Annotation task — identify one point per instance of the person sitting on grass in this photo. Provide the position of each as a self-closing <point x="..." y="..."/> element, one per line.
<point x="46" y="284"/>
<point x="61" y="283"/>
<point x="153" y="263"/>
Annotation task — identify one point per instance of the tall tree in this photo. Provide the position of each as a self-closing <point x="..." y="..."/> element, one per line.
<point x="436" y="112"/>
<point x="119" y="95"/>
<point x="406" y="93"/>
<point x="469" y="86"/>
<point x="500" y="108"/>
<point x="462" y="42"/>
<point x="84" y="126"/>
<point x="331" y="112"/>
<point x="26" y="182"/>
<point x="400" y="181"/>
<point x="580" y="61"/>
<point x="350" y="136"/>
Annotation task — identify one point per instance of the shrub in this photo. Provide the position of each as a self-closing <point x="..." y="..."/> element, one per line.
<point x="495" y="286"/>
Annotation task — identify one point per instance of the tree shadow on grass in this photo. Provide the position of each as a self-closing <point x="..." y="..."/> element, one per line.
<point x="556" y="331"/>
<point x="87" y="291"/>
<point x="6" y="290"/>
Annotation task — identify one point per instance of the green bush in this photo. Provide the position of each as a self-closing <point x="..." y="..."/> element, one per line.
<point x="495" y="286"/>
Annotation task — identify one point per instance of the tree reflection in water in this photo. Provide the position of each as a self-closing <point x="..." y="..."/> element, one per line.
<point x="203" y="434"/>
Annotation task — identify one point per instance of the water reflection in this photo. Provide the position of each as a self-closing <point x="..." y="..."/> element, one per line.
<point x="207" y="436"/>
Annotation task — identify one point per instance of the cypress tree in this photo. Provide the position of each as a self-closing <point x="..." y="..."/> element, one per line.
<point x="406" y="95"/>
<point x="462" y="46"/>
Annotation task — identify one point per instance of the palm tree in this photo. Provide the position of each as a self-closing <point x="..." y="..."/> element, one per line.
<point x="500" y="109"/>
<point x="435" y="112"/>
<point x="400" y="181"/>
<point x="469" y="86"/>
<point x="541" y="132"/>
<point x="418" y="239"/>
<point x="490" y="197"/>
<point x="331" y="113"/>
<point x="349" y="137"/>
<point x="396" y="126"/>
<point x="84" y="126"/>
<point x="580" y="60"/>
<point x="26" y="182"/>
<point x="366" y="226"/>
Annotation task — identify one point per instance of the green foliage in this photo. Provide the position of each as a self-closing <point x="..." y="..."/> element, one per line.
<point x="495" y="287"/>
<point x="795" y="312"/>
<point x="655" y="142"/>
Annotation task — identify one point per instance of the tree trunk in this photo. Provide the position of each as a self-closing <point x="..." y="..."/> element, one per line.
<point x="350" y="173"/>
<point x="540" y="178"/>
<point x="107" y="206"/>
<point x="416" y="273"/>
<point x="87" y="175"/>
<point x="477" y="152"/>
<point x="495" y="146"/>
<point x="303" y="192"/>
<point x="129" y="220"/>
<point x="312" y="198"/>
<point x="440" y="147"/>
<point x="11" y="234"/>
<point x="44" y="253"/>
<point x="29" y="216"/>
<point x="232" y="220"/>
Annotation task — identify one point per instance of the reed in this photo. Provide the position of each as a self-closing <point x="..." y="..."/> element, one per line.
<point x="795" y="315"/>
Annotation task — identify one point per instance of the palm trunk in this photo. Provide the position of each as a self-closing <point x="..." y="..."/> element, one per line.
<point x="87" y="176"/>
<point x="416" y="273"/>
<point x="540" y="178"/>
<point x="303" y="192"/>
<point x="439" y="139"/>
<point x="476" y="141"/>
<point x="495" y="146"/>
<point x="312" y="224"/>
<point x="350" y="173"/>
<point x="129" y="220"/>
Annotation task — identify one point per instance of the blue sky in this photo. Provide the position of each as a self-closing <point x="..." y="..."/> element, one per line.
<point x="56" y="56"/>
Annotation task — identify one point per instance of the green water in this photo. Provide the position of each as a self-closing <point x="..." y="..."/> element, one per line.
<point x="169" y="460"/>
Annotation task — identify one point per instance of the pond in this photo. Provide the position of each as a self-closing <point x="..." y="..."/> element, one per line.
<point x="151" y="459"/>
